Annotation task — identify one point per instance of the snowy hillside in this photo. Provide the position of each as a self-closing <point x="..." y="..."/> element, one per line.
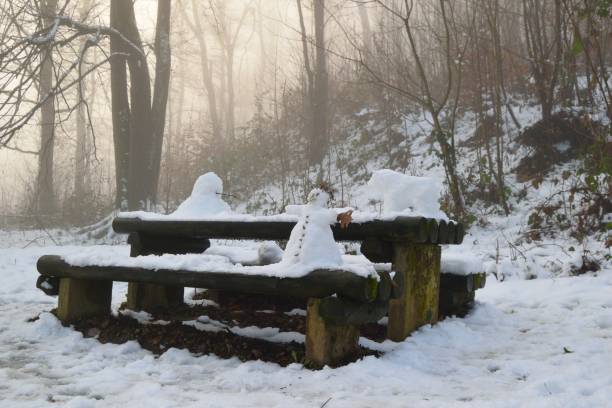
<point x="511" y="245"/>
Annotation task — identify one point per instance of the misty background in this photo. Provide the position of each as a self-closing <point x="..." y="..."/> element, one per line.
<point x="109" y="105"/>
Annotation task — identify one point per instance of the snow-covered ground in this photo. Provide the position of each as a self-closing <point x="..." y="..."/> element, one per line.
<point x="536" y="343"/>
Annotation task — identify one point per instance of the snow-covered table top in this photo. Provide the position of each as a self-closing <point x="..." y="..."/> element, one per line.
<point x="278" y="227"/>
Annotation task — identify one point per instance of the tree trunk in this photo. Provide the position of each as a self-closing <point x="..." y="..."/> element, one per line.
<point x="319" y="136"/>
<point x="138" y="126"/>
<point x="366" y="31"/>
<point x="45" y="202"/>
<point x="307" y="101"/>
<point x="120" y="107"/>
<point x="207" y="78"/>
<point x="140" y="194"/>
<point x="81" y="168"/>
<point x="163" y="59"/>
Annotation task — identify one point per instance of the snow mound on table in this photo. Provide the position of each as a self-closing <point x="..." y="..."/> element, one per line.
<point x="269" y="253"/>
<point x="407" y="195"/>
<point x="461" y="263"/>
<point x="205" y="198"/>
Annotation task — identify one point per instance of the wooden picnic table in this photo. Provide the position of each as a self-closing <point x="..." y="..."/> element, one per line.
<point x="338" y="301"/>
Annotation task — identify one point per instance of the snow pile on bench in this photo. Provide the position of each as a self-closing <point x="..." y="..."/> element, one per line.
<point x="464" y="263"/>
<point x="207" y="263"/>
<point x="401" y="194"/>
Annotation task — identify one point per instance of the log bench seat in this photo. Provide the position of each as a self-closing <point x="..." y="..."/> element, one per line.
<point x="338" y="300"/>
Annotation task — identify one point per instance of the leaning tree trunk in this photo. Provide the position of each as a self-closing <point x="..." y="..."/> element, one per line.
<point x="163" y="59"/>
<point x="45" y="202"/>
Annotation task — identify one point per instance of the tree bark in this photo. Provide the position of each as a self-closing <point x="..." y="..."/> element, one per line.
<point x="163" y="59"/>
<point x="81" y="168"/>
<point x="45" y="202"/>
<point x="137" y="125"/>
<point x="319" y="136"/>
<point x="120" y="108"/>
<point x="207" y="77"/>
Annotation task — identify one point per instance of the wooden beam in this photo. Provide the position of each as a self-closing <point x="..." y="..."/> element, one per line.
<point x="377" y="250"/>
<point x="328" y="343"/>
<point x="443" y="232"/>
<point x="319" y="283"/>
<point x="405" y="229"/>
<point x="420" y="267"/>
<point x="144" y="244"/>
<point x="459" y="234"/>
<point x="434" y="227"/>
<point x="80" y="299"/>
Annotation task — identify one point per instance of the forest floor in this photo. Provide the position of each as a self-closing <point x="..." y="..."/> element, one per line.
<point x="542" y="342"/>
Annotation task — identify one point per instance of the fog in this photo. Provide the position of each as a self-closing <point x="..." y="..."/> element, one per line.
<point x="266" y="99"/>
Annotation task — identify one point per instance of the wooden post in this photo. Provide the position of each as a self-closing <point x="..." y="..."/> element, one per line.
<point x="327" y="343"/>
<point x="79" y="298"/>
<point x="418" y="305"/>
<point x="148" y="296"/>
<point x="457" y="293"/>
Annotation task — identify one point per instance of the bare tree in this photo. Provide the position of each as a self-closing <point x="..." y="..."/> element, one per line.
<point x="544" y="48"/>
<point x="45" y="196"/>
<point x="207" y="72"/>
<point x="139" y="121"/>
<point x="81" y="154"/>
<point x="316" y="84"/>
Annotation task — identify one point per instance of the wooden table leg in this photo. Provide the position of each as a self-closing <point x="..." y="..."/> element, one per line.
<point x="418" y="305"/>
<point x="148" y="296"/>
<point x="80" y="298"/>
<point x="327" y="343"/>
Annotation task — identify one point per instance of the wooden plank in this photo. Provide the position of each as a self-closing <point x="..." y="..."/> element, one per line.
<point x="319" y="283"/>
<point x="405" y="229"/>
<point x="420" y="267"/>
<point x="328" y="343"/>
<point x="83" y="298"/>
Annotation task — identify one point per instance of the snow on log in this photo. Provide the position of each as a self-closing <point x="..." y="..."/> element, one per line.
<point x="408" y="229"/>
<point x="319" y="283"/>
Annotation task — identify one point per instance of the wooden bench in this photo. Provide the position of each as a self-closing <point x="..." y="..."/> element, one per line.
<point x="338" y="301"/>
